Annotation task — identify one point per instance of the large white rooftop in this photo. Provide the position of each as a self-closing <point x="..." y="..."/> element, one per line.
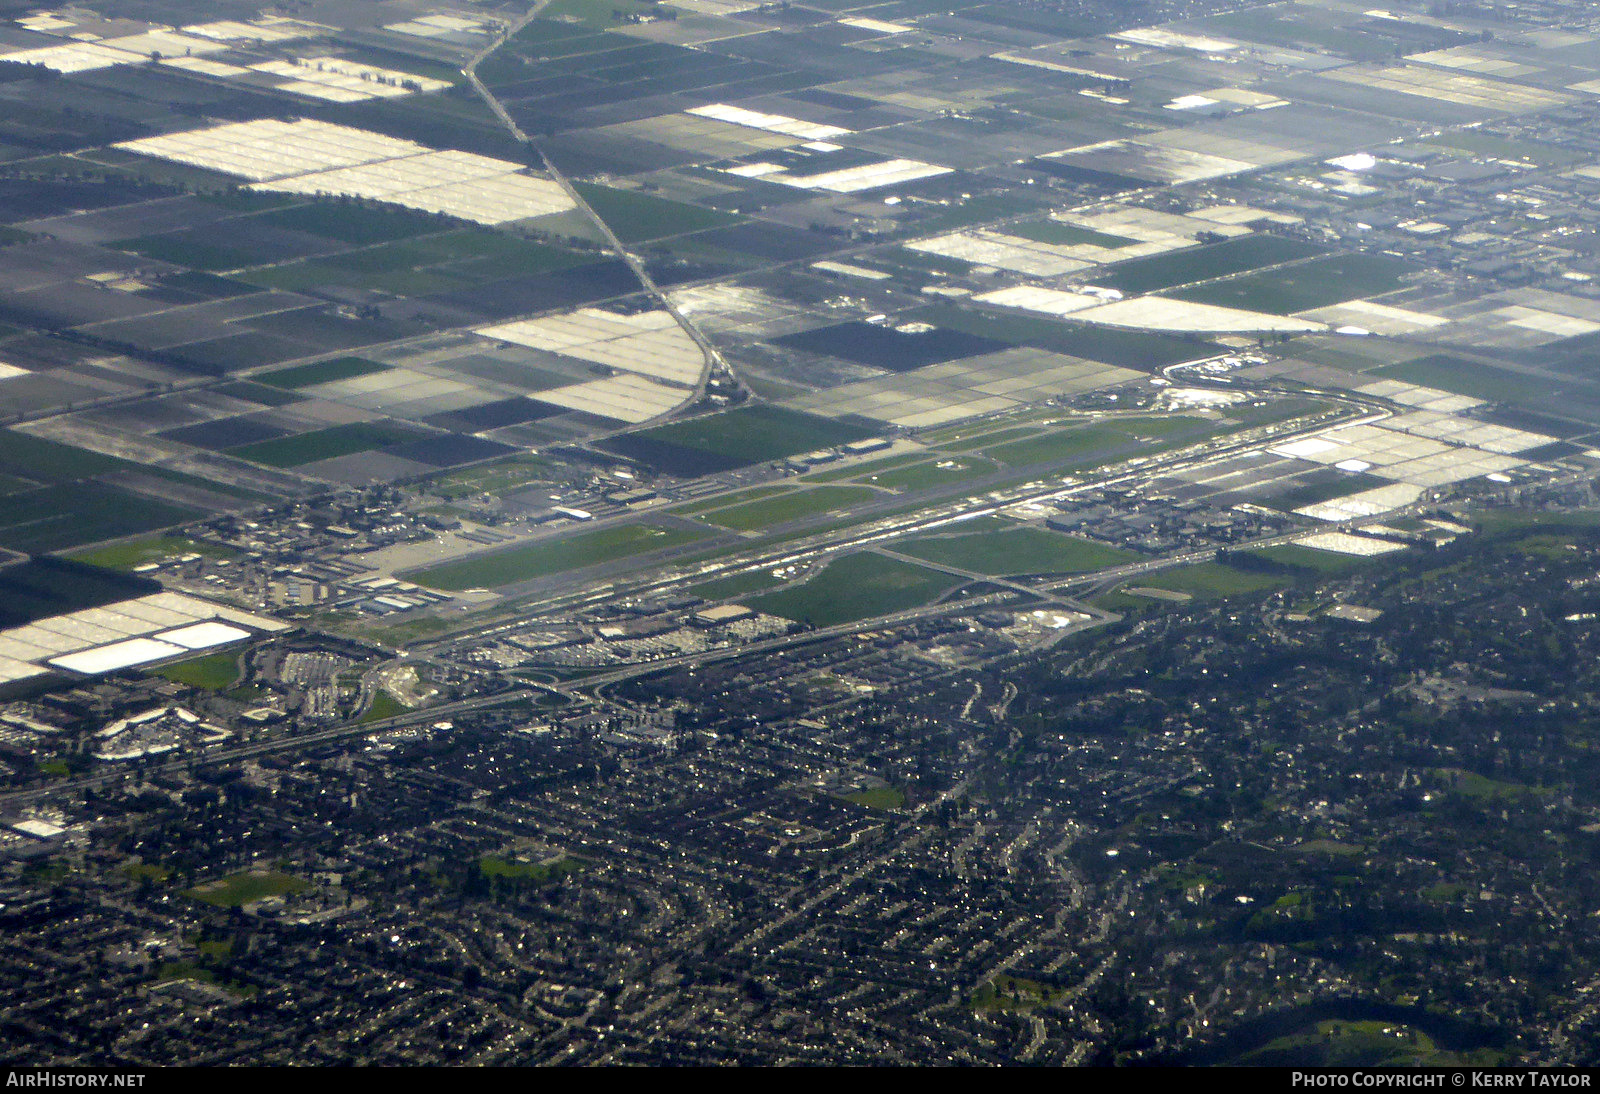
<point x="125" y="634"/>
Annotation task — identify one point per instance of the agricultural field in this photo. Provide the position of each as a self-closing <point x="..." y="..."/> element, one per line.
<point x="638" y="218"/>
<point x="887" y="348"/>
<point x="1466" y="377"/>
<point x="63" y="516"/>
<point x="1124" y="348"/>
<point x="55" y="586"/>
<point x="1233" y="256"/>
<point x="44" y="460"/>
<point x="1048" y="230"/>
<point x="1315" y="283"/>
<point x="355" y="223"/>
<point x="1316" y="30"/>
<point x="589" y="14"/>
<point x="322" y="372"/>
<point x="981" y="208"/>
<point x="444" y="263"/>
<point x="326" y="444"/>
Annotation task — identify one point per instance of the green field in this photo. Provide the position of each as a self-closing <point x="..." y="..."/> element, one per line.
<point x="1019" y="551"/>
<point x="531" y="560"/>
<point x="884" y="798"/>
<point x="1050" y="230"/>
<point x="140" y="871"/>
<point x="1464" y="377"/>
<point x="978" y="209"/>
<point x="1279" y="409"/>
<point x="438" y="263"/>
<point x="1071" y="446"/>
<point x="1309" y="558"/>
<point x="734" y="438"/>
<point x="1306" y="28"/>
<point x="172" y="971"/>
<point x="498" y="867"/>
<point x="1513" y="526"/>
<point x="1342" y="1043"/>
<point x="354" y="222"/>
<point x="1316" y="283"/>
<point x="1481" y="788"/>
<point x="324" y="444"/>
<point x="928" y="474"/>
<point x="1181" y="267"/>
<point x="199" y="252"/>
<point x="860" y="586"/>
<point x="1014" y="993"/>
<point x="384" y="706"/>
<point x="1161" y="426"/>
<point x="868" y="470"/>
<point x="43" y="460"/>
<point x="723" y="501"/>
<point x="1213" y="579"/>
<point x="126" y="556"/>
<point x="758" y="433"/>
<point x="1087" y="445"/>
<point x="237" y="889"/>
<point x="1127" y="348"/>
<point x="321" y="372"/>
<point x="922" y="262"/>
<point x="728" y="588"/>
<point x="764" y="513"/>
<point x="214" y="672"/>
<point x="63" y="516"/>
<point x="549" y="38"/>
<point x="1486" y="144"/>
<point x="637" y="217"/>
<point x="322" y="275"/>
<point x="496" y="477"/>
<point x="986" y="434"/>
<point x="1320" y="487"/>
